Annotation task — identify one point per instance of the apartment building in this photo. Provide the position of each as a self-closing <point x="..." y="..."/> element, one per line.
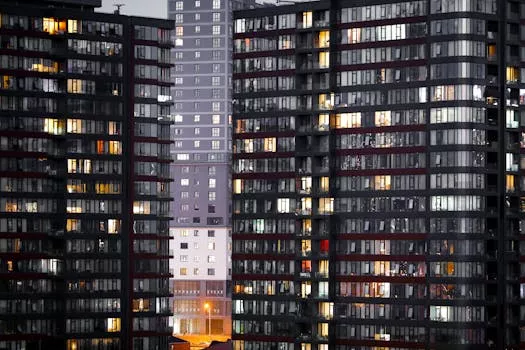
<point x="84" y="177"/>
<point x="377" y="175"/>
<point x="202" y="152"/>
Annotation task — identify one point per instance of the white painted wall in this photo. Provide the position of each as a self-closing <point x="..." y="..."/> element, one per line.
<point x="200" y="248"/>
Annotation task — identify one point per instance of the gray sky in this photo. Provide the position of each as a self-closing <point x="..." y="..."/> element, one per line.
<point x="146" y="8"/>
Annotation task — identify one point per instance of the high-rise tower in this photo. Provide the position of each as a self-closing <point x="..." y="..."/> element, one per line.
<point x="377" y="165"/>
<point x="202" y="151"/>
<point x="84" y="177"/>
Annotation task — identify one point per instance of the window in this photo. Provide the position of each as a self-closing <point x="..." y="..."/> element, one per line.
<point x="215" y="119"/>
<point x="184" y="233"/>
<point x="215" y="144"/>
<point x="211" y="258"/>
<point x="196" y="271"/>
<point x="211" y="272"/>
<point x="211" y="208"/>
<point x="216" y="30"/>
<point x="196" y="131"/>
<point x="196" y="118"/>
<point x="212" y="196"/>
<point x="212" y="170"/>
<point x="183" y="258"/>
<point x="197" y="54"/>
<point x="179" y="31"/>
<point x="197" y="3"/>
<point x="184" y="246"/>
<point x="216" y="17"/>
<point x="197" y="16"/>
<point x="197" y="29"/>
<point x="184" y="182"/>
<point x="211" y="183"/>
<point x="211" y="233"/>
<point x="196" y="144"/>
<point x="179" y="5"/>
<point x="215" y="81"/>
<point x="216" y="4"/>
<point x="195" y="233"/>
<point x="183" y="271"/>
<point x="113" y="325"/>
<point x="216" y="106"/>
<point x="184" y="207"/>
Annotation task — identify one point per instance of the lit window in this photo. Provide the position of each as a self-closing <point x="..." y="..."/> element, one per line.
<point x="216" y="4"/>
<point x="113" y="226"/>
<point x="283" y="205"/>
<point x="114" y="128"/>
<point x="142" y="207"/>
<point x="54" y="126"/>
<point x="307" y="20"/>
<point x="348" y="120"/>
<point x="54" y="26"/>
<point x="324" y="59"/>
<point x="72" y="26"/>
<point x="114" y="147"/>
<point x="183" y="271"/>
<point x="216" y="30"/>
<point x="237" y="186"/>
<point x="216" y="119"/>
<point x="215" y="144"/>
<point x="270" y="144"/>
<point x="184" y="182"/>
<point x="211" y="183"/>
<point x="113" y="324"/>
